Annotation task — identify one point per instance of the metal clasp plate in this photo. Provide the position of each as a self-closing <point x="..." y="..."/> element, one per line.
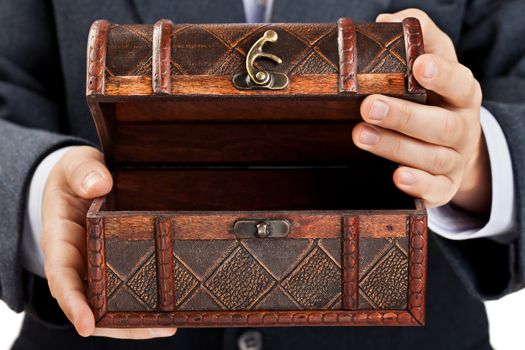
<point x="261" y="228"/>
<point x="261" y="79"/>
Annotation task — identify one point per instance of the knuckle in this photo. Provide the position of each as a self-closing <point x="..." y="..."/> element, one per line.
<point x="441" y="161"/>
<point x="446" y="193"/>
<point x="450" y="190"/>
<point x="471" y="89"/>
<point x="478" y="93"/>
<point x="471" y="93"/>
<point x="437" y="191"/>
<point x="447" y="40"/>
<point x="427" y="193"/>
<point x="395" y="146"/>
<point x="447" y="73"/>
<point x="407" y="116"/>
<point x="468" y="73"/>
<point x="452" y="129"/>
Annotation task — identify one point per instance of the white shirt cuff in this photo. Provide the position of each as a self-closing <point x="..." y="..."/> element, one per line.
<point x="258" y="11"/>
<point x="32" y="255"/>
<point x="455" y="224"/>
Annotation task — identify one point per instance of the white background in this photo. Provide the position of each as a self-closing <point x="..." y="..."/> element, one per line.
<point x="507" y="330"/>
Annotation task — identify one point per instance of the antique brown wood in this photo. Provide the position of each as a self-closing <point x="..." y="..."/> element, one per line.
<point x="95" y="79"/>
<point x="96" y="263"/>
<point x="160" y="63"/>
<point x="305" y="85"/>
<point x="259" y="319"/>
<point x="164" y="249"/>
<point x="347" y="56"/>
<point x="350" y="261"/>
<point x="418" y="263"/>
<point x="414" y="48"/>
<point x="191" y="155"/>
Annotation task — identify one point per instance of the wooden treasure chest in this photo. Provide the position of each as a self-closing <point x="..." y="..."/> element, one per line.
<point x="239" y="198"/>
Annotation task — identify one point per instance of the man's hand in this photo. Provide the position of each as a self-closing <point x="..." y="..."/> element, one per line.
<point x="79" y="176"/>
<point x="440" y="146"/>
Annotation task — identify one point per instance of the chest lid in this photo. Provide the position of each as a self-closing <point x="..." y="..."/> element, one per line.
<point x="260" y="94"/>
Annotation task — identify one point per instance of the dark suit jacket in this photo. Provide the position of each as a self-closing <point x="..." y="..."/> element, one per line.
<point x="42" y="108"/>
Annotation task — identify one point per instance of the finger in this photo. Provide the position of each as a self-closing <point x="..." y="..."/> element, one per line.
<point x="86" y="173"/>
<point x="435" y="40"/>
<point x="64" y="268"/>
<point x="426" y="123"/>
<point x="405" y="150"/>
<point x="67" y="288"/>
<point x="135" y="333"/>
<point x="454" y="82"/>
<point x="63" y="245"/>
<point x="435" y="190"/>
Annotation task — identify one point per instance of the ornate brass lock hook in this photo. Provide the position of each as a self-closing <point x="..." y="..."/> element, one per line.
<point x="261" y="79"/>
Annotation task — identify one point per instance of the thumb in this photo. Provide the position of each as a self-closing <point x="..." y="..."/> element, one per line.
<point x="86" y="173"/>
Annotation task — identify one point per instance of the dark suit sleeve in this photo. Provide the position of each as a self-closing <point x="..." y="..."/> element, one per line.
<point x="31" y="123"/>
<point x="493" y="46"/>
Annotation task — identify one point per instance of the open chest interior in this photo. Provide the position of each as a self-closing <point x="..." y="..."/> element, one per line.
<point x="249" y="153"/>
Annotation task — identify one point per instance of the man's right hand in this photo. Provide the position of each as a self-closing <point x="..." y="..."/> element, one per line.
<point x="78" y="177"/>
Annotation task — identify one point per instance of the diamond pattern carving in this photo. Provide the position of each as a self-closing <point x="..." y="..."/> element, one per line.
<point x="221" y="50"/>
<point x="371" y="250"/>
<point x="385" y="284"/>
<point x="240" y="281"/>
<point x="129" y="50"/>
<point x="144" y="283"/>
<point x="185" y="281"/>
<point x="248" y="277"/>
<point x="193" y="49"/>
<point x="277" y="274"/>
<point x="113" y="281"/>
<point x="131" y="279"/>
<point x="380" y="48"/>
<point x="125" y="300"/>
<point x="315" y="281"/>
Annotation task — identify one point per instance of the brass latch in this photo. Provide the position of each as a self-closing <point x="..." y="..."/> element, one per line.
<point x="261" y="79"/>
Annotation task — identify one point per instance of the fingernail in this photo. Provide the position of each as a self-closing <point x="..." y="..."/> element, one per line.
<point x="430" y="69"/>
<point x="379" y="110"/>
<point x="406" y="178"/>
<point x="369" y="136"/>
<point x="90" y="180"/>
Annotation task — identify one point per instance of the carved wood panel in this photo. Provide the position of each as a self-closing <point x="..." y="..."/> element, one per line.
<point x="211" y="49"/>
<point x="383" y="263"/>
<point x="131" y="275"/>
<point x="257" y="274"/>
<point x="265" y="274"/>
